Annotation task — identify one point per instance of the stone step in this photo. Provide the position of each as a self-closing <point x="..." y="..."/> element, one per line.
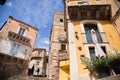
<point x="27" y="78"/>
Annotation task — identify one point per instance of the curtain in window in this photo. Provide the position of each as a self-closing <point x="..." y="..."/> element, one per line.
<point x="98" y="50"/>
<point x="14" y="49"/>
<point x="88" y="28"/>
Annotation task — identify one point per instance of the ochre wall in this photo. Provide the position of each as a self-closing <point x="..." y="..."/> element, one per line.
<point x="111" y="34"/>
<point x="64" y="70"/>
<point x="79" y="43"/>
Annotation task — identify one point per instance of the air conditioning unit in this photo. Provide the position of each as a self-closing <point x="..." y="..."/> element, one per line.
<point x="62" y="38"/>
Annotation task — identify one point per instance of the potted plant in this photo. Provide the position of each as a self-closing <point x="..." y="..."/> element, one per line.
<point x="98" y="67"/>
<point x="101" y="66"/>
<point x="88" y="64"/>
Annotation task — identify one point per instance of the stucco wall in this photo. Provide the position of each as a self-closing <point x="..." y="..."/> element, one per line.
<point x="6" y="45"/>
<point x="14" y="26"/>
<point x="113" y="42"/>
<point x="110" y="31"/>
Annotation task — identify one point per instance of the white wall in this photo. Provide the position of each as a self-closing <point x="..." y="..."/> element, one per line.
<point x="5" y="47"/>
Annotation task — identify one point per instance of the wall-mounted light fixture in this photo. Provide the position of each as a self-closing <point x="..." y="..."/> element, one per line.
<point x="82" y="56"/>
<point x="76" y="34"/>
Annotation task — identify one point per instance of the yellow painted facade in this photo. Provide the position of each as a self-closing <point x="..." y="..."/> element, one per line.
<point x="108" y="32"/>
<point x="111" y="34"/>
<point x="79" y="43"/>
<point x="64" y="70"/>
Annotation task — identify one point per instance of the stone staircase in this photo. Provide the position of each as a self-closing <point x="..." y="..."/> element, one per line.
<point x="37" y="78"/>
<point x="23" y="77"/>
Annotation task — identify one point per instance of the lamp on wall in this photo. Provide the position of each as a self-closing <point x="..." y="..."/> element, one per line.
<point x="76" y="35"/>
<point x="82" y="56"/>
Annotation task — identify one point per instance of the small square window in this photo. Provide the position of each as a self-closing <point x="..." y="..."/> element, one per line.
<point x="63" y="47"/>
<point x="37" y="63"/>
<point x="61" y="20"/>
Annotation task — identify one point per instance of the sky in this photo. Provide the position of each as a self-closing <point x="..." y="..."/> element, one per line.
<point x="37" y="13"/>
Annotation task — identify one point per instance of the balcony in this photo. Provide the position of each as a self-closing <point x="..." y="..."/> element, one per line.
<point x="37" y="57"/>
<point x="63" y="55"/>
<point x="88" y="40"/>
<point x="18" y="38"/>
<point x="89" y="12"/>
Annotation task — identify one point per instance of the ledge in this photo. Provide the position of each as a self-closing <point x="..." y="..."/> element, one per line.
<point x="89" y="12"/>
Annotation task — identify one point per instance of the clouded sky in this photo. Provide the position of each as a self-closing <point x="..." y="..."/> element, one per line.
<point x="37" y="13"/>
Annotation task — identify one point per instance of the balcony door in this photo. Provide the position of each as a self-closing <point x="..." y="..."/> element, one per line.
<point x="92" y="52"/>
<point x="88" y="28"/>
<point x="21" y="31"/>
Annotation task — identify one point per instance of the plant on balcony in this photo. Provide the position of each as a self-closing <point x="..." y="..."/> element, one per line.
<point x="102" y="66"/>
<point x="98" y="67"/>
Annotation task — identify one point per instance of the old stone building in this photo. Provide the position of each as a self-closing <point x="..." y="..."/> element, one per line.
<point x="16" y="43"/>
<point x="38" y="62"/>
<point x="58" y="47"/>
<point x="115" y="5"/>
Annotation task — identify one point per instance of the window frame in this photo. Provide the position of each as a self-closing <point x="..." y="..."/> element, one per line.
<point x="92" y="47"/>
<point x="61" y="20"/>
<point x="21" y="31"/>
<point x="63" y="47"/>
<point x="37" y="63"/>
<point x="88" y="27"/>
<point x="14" y="49"/>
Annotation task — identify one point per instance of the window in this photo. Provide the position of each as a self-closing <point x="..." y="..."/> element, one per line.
<point x="38" y="54"/>
<point x="92" y="52"/>
<point x="14" y="49"/>
<point x="61" y="20"/>
<point x="37" y="63"/>
<point x="63" y="47"/>
<point x="21" y="31"/>
<point x="88" y="28"/>
<point x="118" y="0"/>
